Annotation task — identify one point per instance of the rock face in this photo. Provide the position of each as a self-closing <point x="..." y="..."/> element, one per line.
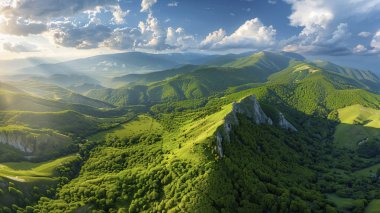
<point x="283" y="123"/>
<point x="34" y="142"/>
<point x="251" y="108"/>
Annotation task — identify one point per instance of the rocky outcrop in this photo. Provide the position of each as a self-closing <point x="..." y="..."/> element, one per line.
<point x="33" y="141"/>
<point x="251" y="108"/>
<point x="285" y="124"/>
<point x="219" y="140"/>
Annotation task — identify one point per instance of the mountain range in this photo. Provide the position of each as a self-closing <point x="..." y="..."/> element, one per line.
<point x="255" y="132"/>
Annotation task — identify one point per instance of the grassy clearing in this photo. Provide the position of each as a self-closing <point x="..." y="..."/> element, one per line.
<point x="357" y="114"/>
<point x="357" y="124"/>
<point x="367" y="172"/>
<point x="29" y="172"/>
<point x="373" y="207"/>
<point x="341" y="203"/>
<point x="143" y="124"/>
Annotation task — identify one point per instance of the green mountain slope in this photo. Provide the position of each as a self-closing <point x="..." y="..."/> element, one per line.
<point x="185" y="173"/>
<point x="155" y="76"/>
<point x="53" y="92"/>
<point x="204" y="144"/>
<point x="364" y="76"/>
<point x="197" y="83"/>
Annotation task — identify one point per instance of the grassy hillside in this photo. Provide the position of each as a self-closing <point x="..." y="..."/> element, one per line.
<point x="68" y="122"/>
<point x="197" y="83"/>
<point x="139" y="126"/>
<point x="359" y="129"/>
<point x="176" y="169"/>
<point x="18" y="101"/>
<point x="265" y="61"/>
<point x="155" y="76"/>
<point x="24" y="182"/>
<point x="53" y="92"/>
<point x="33" y="172"/>
<point x="166" y="158"/>
<point x="367" y="77"/>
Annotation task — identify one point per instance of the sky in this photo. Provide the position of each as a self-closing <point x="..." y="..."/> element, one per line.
<point x="345" y="31"/>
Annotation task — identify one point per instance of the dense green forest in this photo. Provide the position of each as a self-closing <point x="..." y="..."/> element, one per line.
<point x="155" y="144"/>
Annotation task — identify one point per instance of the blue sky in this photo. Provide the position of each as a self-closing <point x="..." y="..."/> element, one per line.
<point x="347" y="31"/>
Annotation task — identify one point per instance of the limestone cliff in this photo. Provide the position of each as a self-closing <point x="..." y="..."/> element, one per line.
<point x="285" y="124"/>
<point x="33" y="142"/>
<point x="251" y="108"/>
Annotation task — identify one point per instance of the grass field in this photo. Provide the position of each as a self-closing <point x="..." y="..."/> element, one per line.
<point x="357" y="124"/>
<point x="360" y="115"/>
<point x="373" y="206"/>
<point x="368" y="171"/>
<point x="341" y="203"/>
<point x="143" y="124"/>
<point x="29" y="172"/>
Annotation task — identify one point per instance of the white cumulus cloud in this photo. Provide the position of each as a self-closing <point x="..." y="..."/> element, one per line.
<point x="375" y="43"/>
<point x="147" y="4"/>
<point x="365" y="34"/>
<point x="213" y="38"/>
<point x="359" y="49"/>
<point x="251" y="35"/>
<point x="323" y="22"/>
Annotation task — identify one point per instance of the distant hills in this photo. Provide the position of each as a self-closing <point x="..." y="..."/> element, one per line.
<point x="104" y="67"/>
<point x="197" y="81"/>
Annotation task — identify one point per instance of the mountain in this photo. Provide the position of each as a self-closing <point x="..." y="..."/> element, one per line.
<point x="84" y="88"/>
<point x="10" y="67"/>
<point x="187" y="153"/>
<point x="267" y="132"/>
<point x="191" y="82"/>
<point x="155" y="76"/>
<point x="103" y="67"/>
<point x="364" y="76"/>
<point x="255" y="61"/>
<point x="194" y="82"/>
<point x="53" y="92"/>
<point x="108" y="65"/>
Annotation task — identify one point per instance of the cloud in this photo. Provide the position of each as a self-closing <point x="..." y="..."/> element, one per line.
<point x="373" y="48"/>
<point x="326" y="42"/>
<point x="24" y="17"/>
<point x="359" y="49"/>
<point x="178" y="39"/>
<point x="86" y="37"/>
<point x="149" y="35"/>
<point x="147" y="4"/>
<point x="44" y="9"/>
<point x="251" y="35"/>
<point x="310" y="14"/>
<point x="213" y="38"/>
<point x="119" y="14"/>
<point x="124" y="39"/>
<point x="323" y="24"/>
<point x="22" y="27"/>
<point x="154" y="33"/>
<point x="272" y="2"/>
<point x="316" y="14"/>
<point x="173" y="4"/>
<point x="20" y="47"/>
<point x="365" y="34"/>
<point x="375" y="44"/>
